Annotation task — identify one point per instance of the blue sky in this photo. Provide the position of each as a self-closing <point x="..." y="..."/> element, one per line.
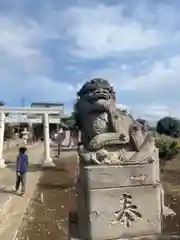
<point x="48" y="49"/>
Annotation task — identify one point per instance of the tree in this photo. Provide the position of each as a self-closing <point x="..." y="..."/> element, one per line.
<point x="168" y="147"/>
<point x="2" y="104"/>
<point x="169" y="126"/>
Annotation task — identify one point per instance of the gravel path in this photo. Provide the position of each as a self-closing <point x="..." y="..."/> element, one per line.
<point x="47" y="215"/>
<point x="55" y="197"/>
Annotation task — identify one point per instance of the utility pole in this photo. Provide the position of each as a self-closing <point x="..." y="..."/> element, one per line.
<point x="169" y="113"/>
<point x="19" y="115"/>
<point x="23" y="102"/>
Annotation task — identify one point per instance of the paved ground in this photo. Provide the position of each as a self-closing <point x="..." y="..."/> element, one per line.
<point x="47" y="215"/>
<point x="171" y="181"/>
<point x="10" y="144"/>
<point x="12" y="207"/>
<point x="13" y="148"/>
<point x="55" y="196"/>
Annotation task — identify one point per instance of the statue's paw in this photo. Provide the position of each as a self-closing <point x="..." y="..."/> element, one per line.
<point x="168" y="211"/>
<point x="148" y="159"/>
<point x="94" y="160"/>
<point x="121" y="156"/>
<point x="112" y="161"/>
<point x="81" y="148"/>
<point x="123" y="138"/>
<point x="107" y="161"/>
<point x="94" y="144"/>
<point x="83" y="154"/>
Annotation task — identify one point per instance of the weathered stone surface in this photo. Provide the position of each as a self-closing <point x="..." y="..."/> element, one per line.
<point x="109" y="135"/>
<point x="12" y="206"/>
<point x="108" y="220"/>
<point x="101" y="209"/>
<point x="95" y="177"/>
<point x="119" y="190"/>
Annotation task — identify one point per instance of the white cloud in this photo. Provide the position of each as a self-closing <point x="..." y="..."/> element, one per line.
<point x="37" y="89"/>
<point x="102" y="31"/>
<point x="47" y="89"/>
<point x="20" y="44"/>
<point x="96" y="31"/>
<point x="160" y="74"/>
<point x="123" y="107"/>
<point x="18" y="39"/>
<point x="154" y="111"/>
<point x="23" y="65"/>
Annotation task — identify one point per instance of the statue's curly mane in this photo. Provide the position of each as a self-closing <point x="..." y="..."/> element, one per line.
<point x="95" y="84"/>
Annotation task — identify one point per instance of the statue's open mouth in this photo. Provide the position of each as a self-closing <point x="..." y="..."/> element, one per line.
<point x="101" y="94"/>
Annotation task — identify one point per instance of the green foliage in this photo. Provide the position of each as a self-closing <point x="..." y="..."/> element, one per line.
<point x="2" y="103"/>
<point x="168" y="147"/>
<point x="169" y="126"/>
<point x="68" y="119"/>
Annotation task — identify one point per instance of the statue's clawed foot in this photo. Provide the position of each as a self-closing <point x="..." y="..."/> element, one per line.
<point x="168" y="211"/>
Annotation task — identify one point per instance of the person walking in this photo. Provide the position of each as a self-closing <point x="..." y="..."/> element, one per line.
<point x="21" y="170"/>
<point x="59" y="138"/>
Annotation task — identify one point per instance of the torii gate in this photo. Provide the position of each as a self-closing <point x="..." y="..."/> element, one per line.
<point x="45" y="111"/>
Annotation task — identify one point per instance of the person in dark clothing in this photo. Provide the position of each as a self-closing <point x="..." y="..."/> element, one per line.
<point x="21" y="169"/>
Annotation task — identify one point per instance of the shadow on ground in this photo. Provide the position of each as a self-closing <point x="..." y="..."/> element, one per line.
<point x="5" y="191"/>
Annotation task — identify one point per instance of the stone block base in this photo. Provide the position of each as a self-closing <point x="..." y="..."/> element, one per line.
<point x="2" y="163"/>
<point x="119" y="202"/>
<point x="48" y="163"/>
<point x="74" y="234"/>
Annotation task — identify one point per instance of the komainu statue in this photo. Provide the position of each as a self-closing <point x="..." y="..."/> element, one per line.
<point x="120" y="195"/>
<point x="109" y="135"/>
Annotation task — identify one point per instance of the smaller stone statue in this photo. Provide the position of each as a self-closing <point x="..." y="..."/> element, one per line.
<point x="25" y="136"/>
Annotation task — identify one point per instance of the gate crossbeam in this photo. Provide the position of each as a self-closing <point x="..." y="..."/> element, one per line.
<point x="45" y="111"/>
<point x="34" y="110"/>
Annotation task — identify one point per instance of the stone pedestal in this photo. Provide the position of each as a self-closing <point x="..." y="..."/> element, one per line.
<point x="49" y="163"/>
<point x="2" y="128"/>
<point x="119" y="202"/>
<point x="47" y="158"/>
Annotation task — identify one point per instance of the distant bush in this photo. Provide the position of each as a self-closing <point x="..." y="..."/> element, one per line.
<point x="168" y="147"/>
<point x="169" y="126"/>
